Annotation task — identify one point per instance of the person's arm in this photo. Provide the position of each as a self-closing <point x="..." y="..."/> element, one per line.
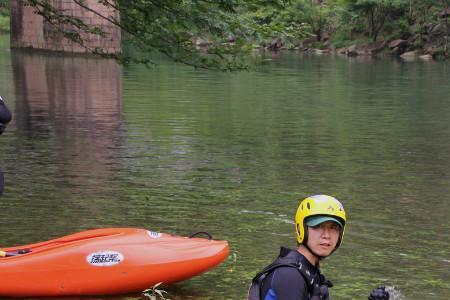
<point x="5" y="118"/>
<point x="288" y="284"/>
<point x="1" y="182"/>
<point x="5" y="115"/>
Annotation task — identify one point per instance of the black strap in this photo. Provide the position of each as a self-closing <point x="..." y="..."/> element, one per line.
<point x="201" y="233"/>
<point x="314" y="286"/>
<point x="290" y="262"/>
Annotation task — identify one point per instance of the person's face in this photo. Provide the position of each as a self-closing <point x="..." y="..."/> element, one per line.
<point x="322" y="239"/>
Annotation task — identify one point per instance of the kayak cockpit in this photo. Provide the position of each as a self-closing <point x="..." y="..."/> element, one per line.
<point x="14" y="252"/>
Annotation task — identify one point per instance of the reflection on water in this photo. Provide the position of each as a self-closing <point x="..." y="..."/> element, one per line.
<point x="67" y="118"/>
<point x="189" y="150"/>
<point x="77" y="102"/>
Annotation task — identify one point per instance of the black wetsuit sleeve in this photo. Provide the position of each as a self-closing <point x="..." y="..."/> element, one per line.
<point x="288" y="284"/>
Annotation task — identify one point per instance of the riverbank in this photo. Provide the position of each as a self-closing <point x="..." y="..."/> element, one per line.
<point x="398" y="47"/>
<point x="432" y="45"/>
<point x="372" y="28"/>
<point x="420" y="39"/>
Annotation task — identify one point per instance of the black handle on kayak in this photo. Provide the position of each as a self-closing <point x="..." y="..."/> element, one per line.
<point x="200" y="233"/>
<point x="14" y="253"/>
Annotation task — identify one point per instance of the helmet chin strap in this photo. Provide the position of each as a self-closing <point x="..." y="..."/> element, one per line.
<point x="319" y="257"/>
<point x="305" y="243"/>
<point x="312" y="252"/>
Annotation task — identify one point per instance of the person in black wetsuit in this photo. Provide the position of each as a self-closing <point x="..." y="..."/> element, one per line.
<point x="295" y="274"/>
<point x="5" y="118"/>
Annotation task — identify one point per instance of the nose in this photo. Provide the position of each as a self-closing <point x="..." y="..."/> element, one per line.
<point x="326" y="232"/>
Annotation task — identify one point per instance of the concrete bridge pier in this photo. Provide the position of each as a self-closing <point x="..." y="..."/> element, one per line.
<point x="30" y="30"/>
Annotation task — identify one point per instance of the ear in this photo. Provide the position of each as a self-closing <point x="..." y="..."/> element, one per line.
<point x="305" y="233"/>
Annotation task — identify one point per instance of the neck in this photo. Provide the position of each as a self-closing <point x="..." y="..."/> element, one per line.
<point x="313" y="259"/>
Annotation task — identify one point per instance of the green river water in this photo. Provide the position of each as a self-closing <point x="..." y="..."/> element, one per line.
<point x="179" y="150"/>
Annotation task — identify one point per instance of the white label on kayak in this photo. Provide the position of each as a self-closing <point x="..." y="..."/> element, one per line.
<point x="104" y="258"/>
<point x="154" y="234"/>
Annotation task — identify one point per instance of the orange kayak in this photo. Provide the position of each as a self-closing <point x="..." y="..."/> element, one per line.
<point x="104" y="262"/>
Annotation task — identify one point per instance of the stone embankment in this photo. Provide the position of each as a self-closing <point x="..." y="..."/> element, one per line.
<point x="30" y="30"/>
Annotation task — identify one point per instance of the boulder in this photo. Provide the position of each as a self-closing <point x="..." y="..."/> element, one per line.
<point x="432" y="49"/>
<point x="409" y="56"/>
<point x="439" y="29"/>
<point x="426" y="57"/>
<point x="275" y="44"/>
<point x="322" y="51"/>
<point x="374" y="48"/>
<point x="398" y="43"/>
<point x="341" y="50"/>
<point x="352" y="50"/>
<point x="396" y="51"/>
<point x="368" y="49"/>
<point x="308" y="42"/>
<point x="445" y="13"/>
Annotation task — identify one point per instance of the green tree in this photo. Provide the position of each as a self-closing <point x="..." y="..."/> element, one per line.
<point x="166" y="26"/>
<point x="4" y="15"/>
<point x="426" y="15"/>
<point x="290" y="21"/>
<point x="375" y="13"/>
<point x="318" y="16"/>
<point x="274" y="21"/>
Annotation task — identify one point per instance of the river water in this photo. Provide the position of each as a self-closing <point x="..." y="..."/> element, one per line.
<point x="179" y="150"/>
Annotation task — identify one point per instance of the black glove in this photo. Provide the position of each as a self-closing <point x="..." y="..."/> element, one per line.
<point x="320" y="292"/>
<point x="379" y="293"/>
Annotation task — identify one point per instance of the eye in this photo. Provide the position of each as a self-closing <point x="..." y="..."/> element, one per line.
<point x="335" y="227"/>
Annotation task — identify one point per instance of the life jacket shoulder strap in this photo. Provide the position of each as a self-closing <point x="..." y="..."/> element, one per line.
<point x="254" y="292"/>
<point x="286" y="261"/>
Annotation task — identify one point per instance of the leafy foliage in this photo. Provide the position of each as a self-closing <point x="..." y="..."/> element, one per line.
<point x="276" y="21"/>
<point x="168" y="27"/>
<point x="229" y="28"/>
<point x="4" y="15"/>
<point x="155" y="293"/>
<point x="374" y="13"/>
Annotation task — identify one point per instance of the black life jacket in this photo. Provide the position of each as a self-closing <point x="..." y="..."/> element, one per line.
<point x="316" y="283"/>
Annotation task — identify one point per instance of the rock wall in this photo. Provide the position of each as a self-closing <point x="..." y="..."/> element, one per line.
<point x="30" y="30"/>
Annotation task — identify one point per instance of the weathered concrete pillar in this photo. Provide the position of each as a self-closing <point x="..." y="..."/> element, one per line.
<point x="30" y="30"/>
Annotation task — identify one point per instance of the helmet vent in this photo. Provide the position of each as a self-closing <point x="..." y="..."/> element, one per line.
<point x="308" y="205"/>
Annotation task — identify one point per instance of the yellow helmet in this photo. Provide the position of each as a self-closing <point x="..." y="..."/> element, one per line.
<point x="319" y="205"/>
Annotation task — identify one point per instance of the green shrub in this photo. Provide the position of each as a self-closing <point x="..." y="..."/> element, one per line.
<point x="4" y="23"/>
<point x="398" y="28"/>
